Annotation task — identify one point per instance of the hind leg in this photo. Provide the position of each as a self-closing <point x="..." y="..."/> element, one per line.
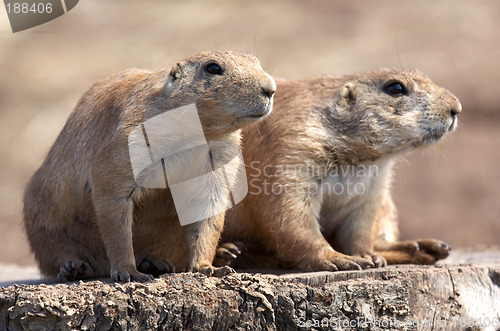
<point x="155" y="266"/>
<point x="68" y="254"/>
<point x="228" y="253"/>
<point x="75" y="270"/>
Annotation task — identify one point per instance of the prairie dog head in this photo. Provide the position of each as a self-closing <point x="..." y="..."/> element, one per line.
<point x="230" y="89"/>
<point x="392" y="111"/>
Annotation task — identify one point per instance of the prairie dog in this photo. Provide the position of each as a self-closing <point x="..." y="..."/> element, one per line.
<point x="319" y="172"/>
<point x="84" y="214"/>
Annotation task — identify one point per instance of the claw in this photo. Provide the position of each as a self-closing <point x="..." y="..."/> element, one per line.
<point x="127" y="277"/>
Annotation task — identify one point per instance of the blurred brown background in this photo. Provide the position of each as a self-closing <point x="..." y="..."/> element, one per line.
<point x="449" y="190"/>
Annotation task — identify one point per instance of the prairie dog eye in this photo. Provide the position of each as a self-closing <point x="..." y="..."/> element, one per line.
<point x="213" y="68"/>
<point x="395" y="88"/>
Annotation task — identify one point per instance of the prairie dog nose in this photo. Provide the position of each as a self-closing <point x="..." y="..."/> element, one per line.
<point x="456" y="107"/>
<point x="269" y="87"/>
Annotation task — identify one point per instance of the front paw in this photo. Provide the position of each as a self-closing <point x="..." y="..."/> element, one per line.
<point x="336" y="261"/>
<point x="436" y="248"/>
<point x="130" y="275"/>
<point x="209" y="270"/>
<point x="378" y="260"/>
<point x="419" y="251"/>
<point x="429" y="251"/>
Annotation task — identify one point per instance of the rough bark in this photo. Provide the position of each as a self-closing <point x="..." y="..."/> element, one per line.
<point x="442" y="297"/>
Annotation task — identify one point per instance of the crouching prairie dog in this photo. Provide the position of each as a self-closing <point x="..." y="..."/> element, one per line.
<point x="319" y="172"/>
<point x="84" y="214"/>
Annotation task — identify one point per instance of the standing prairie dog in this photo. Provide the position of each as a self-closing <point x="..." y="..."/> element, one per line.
<point x="319" y="172"/>
<point x="84" y="214"/>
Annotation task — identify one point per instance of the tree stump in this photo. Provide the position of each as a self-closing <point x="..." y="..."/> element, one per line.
<point x="450" y="296"/>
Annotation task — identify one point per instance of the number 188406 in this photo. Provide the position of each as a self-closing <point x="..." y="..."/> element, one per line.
<point x="25" y="8"/>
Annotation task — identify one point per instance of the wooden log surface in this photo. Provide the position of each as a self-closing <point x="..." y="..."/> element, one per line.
<point x="462" y="293"/>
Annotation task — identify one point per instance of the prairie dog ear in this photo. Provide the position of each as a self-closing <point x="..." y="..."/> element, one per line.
<point x="174" y="75"/>
<point x="175" y="72"/>
<point x="346" y="97"/>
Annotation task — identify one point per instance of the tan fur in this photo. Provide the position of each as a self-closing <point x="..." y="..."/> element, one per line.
<point x="85" y="216"/>
<point x="323" y="124"/>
